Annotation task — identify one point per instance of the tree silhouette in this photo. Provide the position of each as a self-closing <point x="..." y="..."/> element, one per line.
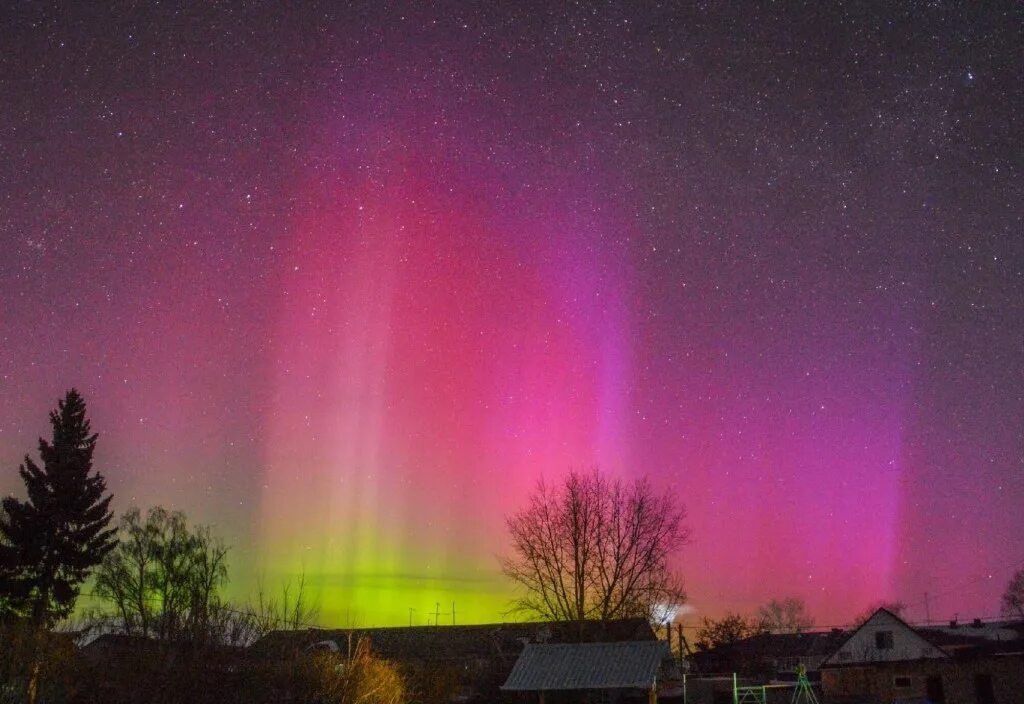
<point x="164" y="577"/>
<point x="596" y="549"/>
<point x="897" y="608"/>
<point x="8" y="571"/>
<point x="59" y="533"/>
<point x="788" y="615"/>
<point x="1013" y="597"/>
<point x="727" y="630"/>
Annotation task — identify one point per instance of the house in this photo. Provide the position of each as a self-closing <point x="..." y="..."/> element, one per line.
<point x="886" y="661"/>
<point x="770" y="656"/>
<point x="116" y="668"/>
<point x="478" y="657"/>
<point x="766" y="664"/>
<point x="884" y="637"/>
<point x="578" y="671"/>
<point x="976" y="638"/>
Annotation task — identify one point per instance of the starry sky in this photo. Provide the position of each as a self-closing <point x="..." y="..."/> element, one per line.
<point x="344" y="280"/>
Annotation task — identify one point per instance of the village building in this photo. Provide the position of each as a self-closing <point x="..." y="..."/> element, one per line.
<point x="887" y="661"/>
<point x="476" y="658"/>
<point x="608" y="672"/>
<point x="770" y="657"/>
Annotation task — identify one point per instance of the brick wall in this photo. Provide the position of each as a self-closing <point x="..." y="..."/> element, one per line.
<point x="888" y="683"/>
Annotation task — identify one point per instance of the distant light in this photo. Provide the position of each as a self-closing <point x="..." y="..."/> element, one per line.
<point x="664" y="613"/>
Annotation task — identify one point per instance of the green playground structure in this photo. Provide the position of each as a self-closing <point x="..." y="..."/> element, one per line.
<point x="803" y="692"/>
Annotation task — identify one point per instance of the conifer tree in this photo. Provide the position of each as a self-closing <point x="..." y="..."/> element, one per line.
<point x="8" y="570"/>
<point x="59" y="533"/>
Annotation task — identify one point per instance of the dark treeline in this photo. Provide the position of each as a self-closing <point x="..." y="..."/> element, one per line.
<point x="164" y="632"/>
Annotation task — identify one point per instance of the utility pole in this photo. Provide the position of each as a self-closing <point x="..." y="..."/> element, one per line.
<point x="683" y="643"/>
<point x="437" y="614"/>
<point x="411" y="610"/>
<point x="927" y="611"/>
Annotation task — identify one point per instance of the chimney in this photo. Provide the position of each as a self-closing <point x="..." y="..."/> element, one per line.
<point x="952" y="623"/>
<point x="977" y="623"/>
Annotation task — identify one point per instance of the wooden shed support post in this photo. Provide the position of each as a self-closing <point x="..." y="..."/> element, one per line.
<point x="540" y="697"/>
<point x="652" y="696"/>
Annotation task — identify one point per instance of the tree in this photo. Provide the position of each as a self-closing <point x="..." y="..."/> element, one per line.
<point x="8" y="572"/>
<point x="291" y="612"/>
<point x="895" y="607"/>
<point x="788" y="615"/>
<point x="60" y="532"/>
<point x="164" y="577"/>
<point x="1013" y="597"/>
<point x="593" y="548"/>
<point x="360" y="679"/>
<point x="34" y="663"/>
<point x="727" y="630"/>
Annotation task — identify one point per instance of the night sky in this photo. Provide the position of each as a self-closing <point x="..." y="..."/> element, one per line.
<point x="344" y="282"/>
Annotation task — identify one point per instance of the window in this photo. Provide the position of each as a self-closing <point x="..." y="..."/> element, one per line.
<point x="901" y="682"/>
<point x="883" y="640"/>
<point x="983" y="691"/>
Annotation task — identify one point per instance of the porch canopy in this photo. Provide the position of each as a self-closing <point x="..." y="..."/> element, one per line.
<point x="574" y="666"/>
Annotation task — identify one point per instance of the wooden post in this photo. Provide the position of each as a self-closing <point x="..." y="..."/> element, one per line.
<point x="540" y="697"/>
<point x="652" y="696"/>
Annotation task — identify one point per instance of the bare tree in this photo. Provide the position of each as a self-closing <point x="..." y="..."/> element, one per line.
<point x="787" y="615"/>
<point x="897" y="608"/>
<point x="594" y="548"/>
<point x="291" y="611"/>
<point x="163" y="578"/>
<point x="1013" y="597"/>
<point x="726" y="631"/>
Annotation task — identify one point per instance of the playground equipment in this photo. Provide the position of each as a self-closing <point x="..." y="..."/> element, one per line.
<point x="803" y="692"/>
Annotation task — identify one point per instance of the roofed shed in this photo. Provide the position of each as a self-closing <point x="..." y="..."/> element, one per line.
<point x="561" y="667"/>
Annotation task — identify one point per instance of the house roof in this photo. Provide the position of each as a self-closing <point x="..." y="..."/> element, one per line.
<point x="779" y="645"/>
<point x="881" y="613"/>
<point x="115" y="647"/>
<point x="418" y="643"/>
<point x="978" y="637"/>
<point x="573" y="666"/>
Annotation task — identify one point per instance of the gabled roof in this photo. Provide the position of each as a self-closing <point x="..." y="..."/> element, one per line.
<point x="574" y="666"/>
<point x="873" y="622"/>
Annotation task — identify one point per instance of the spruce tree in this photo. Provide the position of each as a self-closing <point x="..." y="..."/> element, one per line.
<point x="8" y="570"/>
<point x="59" y="533"/>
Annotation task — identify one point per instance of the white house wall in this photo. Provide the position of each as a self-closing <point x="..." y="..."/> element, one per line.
<point x="862" y="647"/>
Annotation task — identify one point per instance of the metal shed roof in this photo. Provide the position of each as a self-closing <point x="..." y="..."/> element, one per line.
<point x="565" y="666"/>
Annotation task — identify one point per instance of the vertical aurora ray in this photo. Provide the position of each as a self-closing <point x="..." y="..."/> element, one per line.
<point x="343" y="282"/>
<point x="429" y="370"/>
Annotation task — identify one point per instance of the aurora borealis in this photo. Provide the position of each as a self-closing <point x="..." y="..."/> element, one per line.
<point x="344" y="282"/>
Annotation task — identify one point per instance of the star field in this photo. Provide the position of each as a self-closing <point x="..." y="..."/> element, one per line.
<point x="344" y="281"/>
